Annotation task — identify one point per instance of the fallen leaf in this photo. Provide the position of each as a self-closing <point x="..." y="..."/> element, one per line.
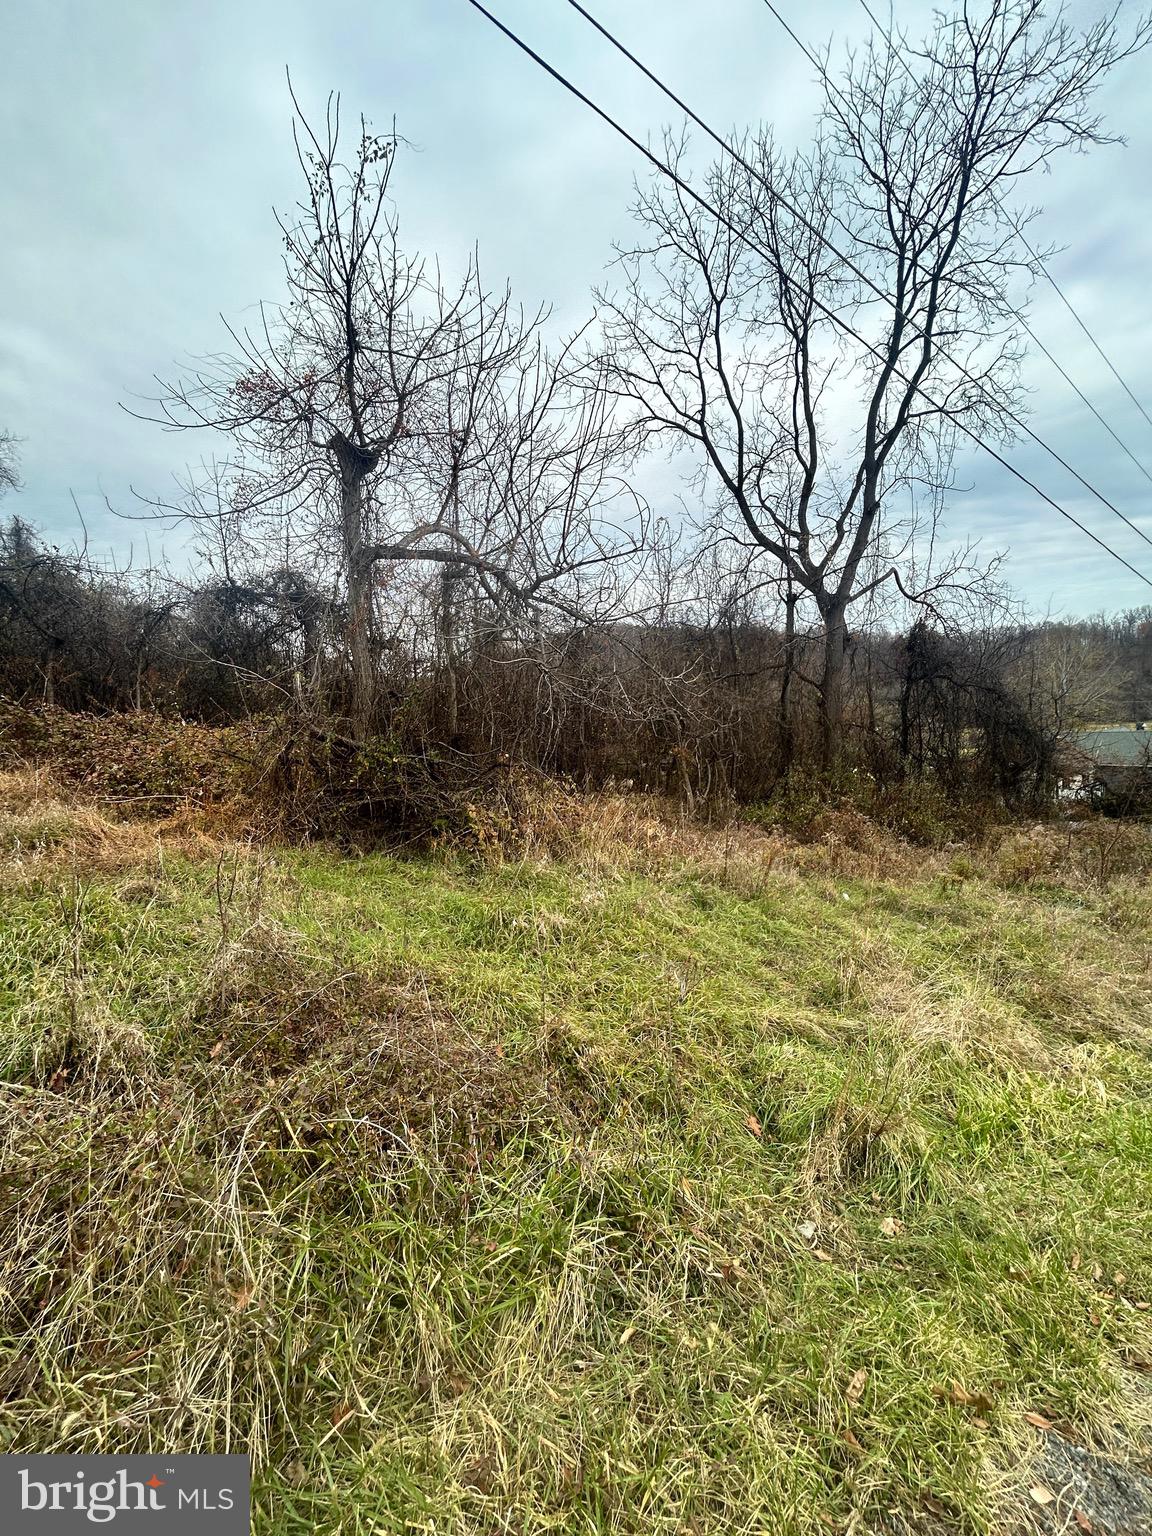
<point x="1041" y="1495"/>
<point x="339" y="1414"/>
<point x="934" y="1506"/>
<point x="1083" y="1522"/>
<point x="1038" y="1420"/>
<point x="825" y="1258"/>
<point x="891" y="1226"/>
<point x="626" y="1335"/>
<point x="242" y="1297"/>
<point x="1074" y="1261"/>
<point x="754" y="1125"/>
<point x="851" y="1441"/>
<point x="216" y="1049"/>
<point x="856" y="1386"/>
<point x="478" y="1474"/>
<point x="963" y="1398"/>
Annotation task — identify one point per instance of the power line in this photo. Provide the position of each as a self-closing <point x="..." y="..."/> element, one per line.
<point x="1072" y="384"/>
<point x="734" y="154"/>
<point x="822" y="71"/>
<point x="1035" y="255"/>
<point x="830" y="314"/>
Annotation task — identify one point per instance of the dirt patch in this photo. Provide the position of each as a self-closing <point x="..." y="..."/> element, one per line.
<point x="330" y="1046"/>
<point x="1086" y="1492"/>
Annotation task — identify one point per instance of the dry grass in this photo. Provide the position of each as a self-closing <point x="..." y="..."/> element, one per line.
<point x="44" y="825"/>
<point x="648" y="833"/>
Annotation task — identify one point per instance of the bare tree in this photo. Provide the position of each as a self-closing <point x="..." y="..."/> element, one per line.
<point x="1069" y="672"/>
<point x="823" y="331"/>
<point x="9" y="476"/>
<point x="380" y="415"/>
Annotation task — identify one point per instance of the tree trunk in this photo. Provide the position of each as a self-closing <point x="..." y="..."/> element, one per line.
<point x="787" y="742"/>
<point x="448" y="584"/>
<point x="355" y="462"/>
<point x="448" y="589"/>
<point x="906" y="688"/>
<point x="359" y="595"/>
<point x="832" y="683"/>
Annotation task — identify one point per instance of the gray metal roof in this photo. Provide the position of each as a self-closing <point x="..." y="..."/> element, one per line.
<point x="1116" y="748"/>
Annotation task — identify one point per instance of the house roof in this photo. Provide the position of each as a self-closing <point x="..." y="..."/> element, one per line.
<point x="1116" y="748"/>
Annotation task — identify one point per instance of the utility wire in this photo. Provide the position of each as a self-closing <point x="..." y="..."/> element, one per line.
<point x="830" y="314"/>
<point x="1063" y="297"/>
<point x="735" y="155"/>
<point x="830" y="85"/>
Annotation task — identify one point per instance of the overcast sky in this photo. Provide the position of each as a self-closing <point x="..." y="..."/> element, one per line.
<point x="144" y="146"/>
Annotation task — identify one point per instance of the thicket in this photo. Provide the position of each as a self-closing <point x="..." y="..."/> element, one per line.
<point x="943" y="725"/>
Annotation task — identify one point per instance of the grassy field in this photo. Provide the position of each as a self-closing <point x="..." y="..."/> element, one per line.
<point x="689" y="1182"/>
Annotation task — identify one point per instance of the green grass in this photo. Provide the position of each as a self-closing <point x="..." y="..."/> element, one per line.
<point x="571" y="1197"/>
